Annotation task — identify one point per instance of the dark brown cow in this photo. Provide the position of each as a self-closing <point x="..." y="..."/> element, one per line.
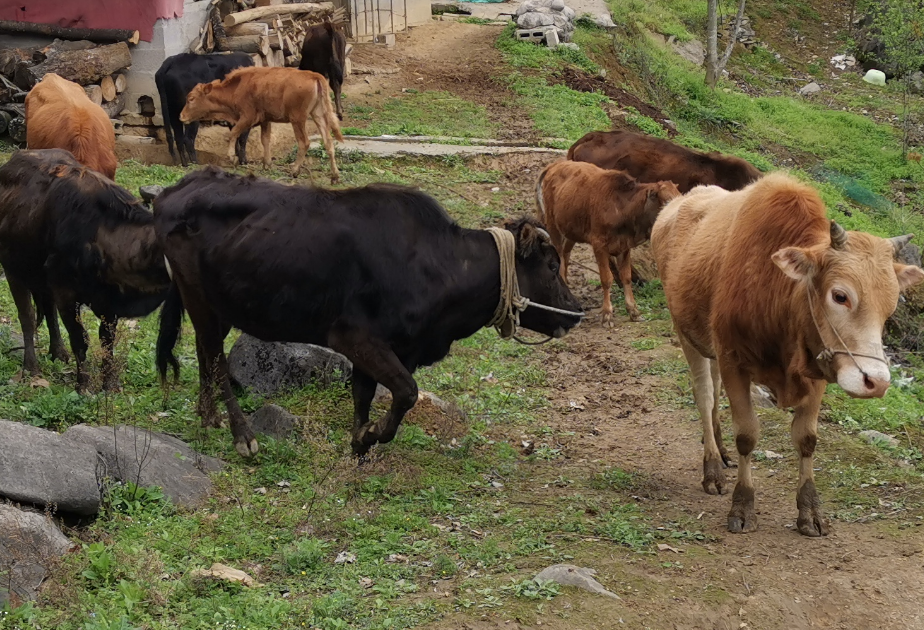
<point x="581" y="203"/>
<point x="652" y="160"/>
<point x="763" y="288"/>
<point x="324" y="52"/>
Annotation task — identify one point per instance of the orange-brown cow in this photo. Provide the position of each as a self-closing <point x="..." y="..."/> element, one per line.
<point x="260" y="96"/>
<point x="763" y="288"/>
<point x="581" y="203"/>
<point x="59" y="115"/>
<point x="652" y="159"/>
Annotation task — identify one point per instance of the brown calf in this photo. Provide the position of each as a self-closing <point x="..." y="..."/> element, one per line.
<point x="59" y="115"/>
<point x="260" y="96"/>
<point x="763" y="288"/>
<point x="652" y="159"/>
<point x="581" y="203"/>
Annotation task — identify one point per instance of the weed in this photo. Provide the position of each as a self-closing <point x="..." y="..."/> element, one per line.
<point x="534" y="588"/>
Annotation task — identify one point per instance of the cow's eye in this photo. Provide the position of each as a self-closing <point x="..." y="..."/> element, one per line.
<point x="840" y="297"/>
<point x="554" y="266"/>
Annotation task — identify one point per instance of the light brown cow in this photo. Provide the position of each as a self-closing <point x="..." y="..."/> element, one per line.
<point x="763" y="288"/>
<point x="59" y="115"/>
<point x="260" y="96"/>
<point x="581" y="203"/>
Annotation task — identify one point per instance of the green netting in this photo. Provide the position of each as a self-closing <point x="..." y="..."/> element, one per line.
<point x="852" y="188"/>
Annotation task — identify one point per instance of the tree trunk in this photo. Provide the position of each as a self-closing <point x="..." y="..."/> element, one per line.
<point x="247" y="43"/>
<point x="734" y="36"/>
<point x="99" y="35"/>
<point x="115" y="107"/>
<point x="80" y="66"/>
<point x="94" y="93"/>
<point x="249" y="28"/>
<point x="233" y="19"/>
<point x="712" y="43"/>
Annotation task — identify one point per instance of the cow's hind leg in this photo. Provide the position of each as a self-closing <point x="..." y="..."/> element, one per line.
<point x="716" y="420"/>
<point x="742" y="517"/>
<point x="811" y="521"/>
<point x="266" y="131"/>
<point x="23" y="299"/>
<point x="301" y="137"/>
<point x="363" y="393"/>
<point x="70" y="315"/>
<point x="188" y="140"/>
<point x="206" y="407"/>
<point x="241" y="147"/>
<point x="624" y="265"/>
<point x="704" y="393"/>
<point x="376" y="360"/>
<point x="606" y="280"/>
<point x="324" y="129"/>
<point x="50" y="313"/>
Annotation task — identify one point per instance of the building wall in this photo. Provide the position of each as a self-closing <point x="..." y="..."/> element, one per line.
<point x="171" y="36"/>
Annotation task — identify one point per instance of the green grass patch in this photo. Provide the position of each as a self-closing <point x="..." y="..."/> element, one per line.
<point x="429" y="113"/>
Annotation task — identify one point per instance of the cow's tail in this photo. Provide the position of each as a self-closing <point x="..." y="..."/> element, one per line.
<point x="338" y="54"/>
<point x="540" y="201"/>
<point x="328" y="110"/>
<point x="165" y="112"/>
<point x="171" y="321"/>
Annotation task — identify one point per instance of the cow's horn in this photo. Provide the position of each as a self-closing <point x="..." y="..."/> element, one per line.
<point x="899" y="242"/>
<point x="838" y="236"/>
<point x="546" y="236"/>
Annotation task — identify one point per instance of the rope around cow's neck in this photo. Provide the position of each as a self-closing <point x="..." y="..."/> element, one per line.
<point x="506" y="316"/>
<point x="827" y="353"/>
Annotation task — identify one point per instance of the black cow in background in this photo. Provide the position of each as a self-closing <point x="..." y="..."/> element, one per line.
<point x="380" y="274"/>
<point x="176" y="77"/>
<point x="69" y="236"/>
<point x="324" y="52"/>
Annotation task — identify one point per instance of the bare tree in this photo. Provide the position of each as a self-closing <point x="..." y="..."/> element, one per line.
<point x="714" y="64"/>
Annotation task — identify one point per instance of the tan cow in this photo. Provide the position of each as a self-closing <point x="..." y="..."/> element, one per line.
<point x="260" y="96"/>
<point x="763" y="288"/>
<point x="582" y="203"/>
<point x="59" y="115"/>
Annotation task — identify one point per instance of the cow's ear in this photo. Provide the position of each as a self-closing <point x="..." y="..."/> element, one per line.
<point x="206" y="88"/>
<point x="908" y="276"/>
<point x="528" y="240"/>
<point x="795" y="262"/>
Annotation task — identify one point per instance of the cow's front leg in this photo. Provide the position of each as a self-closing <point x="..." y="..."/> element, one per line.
<point x="602" y="254"/>
<point x="811" y="521"/>
<point x="742" y="518"/>
<point x="705" y="394"/>
<point x="239" y="127"/>
<point x="266" y="130"/>
<point x="624" y="266"/>
<point x="23" y="299"/>
<point x="70" y="315"/>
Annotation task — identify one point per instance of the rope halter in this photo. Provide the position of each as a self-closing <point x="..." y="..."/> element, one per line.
<point x="506" y="318"/>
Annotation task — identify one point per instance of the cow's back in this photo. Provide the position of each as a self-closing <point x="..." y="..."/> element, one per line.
<point x="59" y="115"/>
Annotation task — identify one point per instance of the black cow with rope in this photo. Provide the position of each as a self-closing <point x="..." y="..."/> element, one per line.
<point x="380" y="274"/>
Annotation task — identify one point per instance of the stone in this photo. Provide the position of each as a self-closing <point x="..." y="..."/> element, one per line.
<point x="580" y="577"/>
<point x="570" y="45"/>
<point x="10" y="339"/>
<point x="874" y="437"/>
<point x="604" y="20"/>
<point x="875" y="77"/>
<point x="557" y="5"/>
<point x="268" y="367"/>
<point x="150" y="459"/>
<point x="273" y="421"/>
<point x="916" y="82"/>
<point x="382" y="395"/>
<point x="809" y="89"/>
<point x="910" y="254"/>
<point x="43" y="468"/>
<point x="762" y="397"/>
<point x="569" y="13"/>
<point x="534" y="20"/>
<point x="693" y="51"/>
<point x="551" y="38"/>
<point x="148" y="193"/>
<point x="29" y="541"/>
<point x="225" y="573"/>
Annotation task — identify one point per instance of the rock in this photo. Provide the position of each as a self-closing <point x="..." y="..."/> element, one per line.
<point x="45" y="469"/>
<point x="875" y="77"/>
<point x="220" y="571"/>
<point x="10" y="339"/>
<point x="874" y="437"/>
<point x="382" y="395"/>
<point x="268" y="367"/>
<point x="762" y="397"/>
<point x="570" y="45"/>
<point x="570" y="575"/>
<point x="441" y="8"/>
<point x="534" y="19"/>
<point x="604" y="21"/>
<point x="693" y="51"/>
<point x="569" y="13"/>
<point x="148" y="193"/>
<point x="150" y="459"/>
<point x="811" y="88"/>
<point x="910" y="254"/>
<point x="28" y="542"/>
<point x="916" y="82"/>
<point x="274" y="421"/>
<point x="557" y="5"/>
<point x="551" y="38"/>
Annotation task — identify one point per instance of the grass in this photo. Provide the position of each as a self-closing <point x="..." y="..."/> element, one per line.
<point x="428" y="113"/>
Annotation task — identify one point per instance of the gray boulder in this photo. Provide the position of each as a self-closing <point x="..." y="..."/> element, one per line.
<point x="43" y="468"/>
<point x="534" y="19"/>
<point x="274" y="421"/>
<point x="268" y="367"/>
<point x="910" y="254"/>
<point x="809" y="89"/>
<point x="150" y="459"/>
<point x="580" y="577"/>
<point x="916" y="82"/>
<point x="693" y="51"/>
<point x="29" y="542"/>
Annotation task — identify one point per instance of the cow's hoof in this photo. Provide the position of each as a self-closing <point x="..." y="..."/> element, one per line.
<point x="335" y="180"/>
<point x="635" y="317"/>
<point x="247" y="448"/>
<point x="741" y="518"/>
<point x="742" y="525"/>
<point x="727" y="461"/>
<point x="60" y="354"/>
<point x="713" y="477"/>
<point x="360" y="450"/>
<point x="811" y="521"/>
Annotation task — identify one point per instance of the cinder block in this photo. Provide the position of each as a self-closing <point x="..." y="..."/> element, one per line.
<point x="386" y="38"/>
<point x="531" y="34"/>
<point x="551" y="38"/>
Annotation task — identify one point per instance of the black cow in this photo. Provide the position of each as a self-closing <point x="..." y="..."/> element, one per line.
<point x="380" y="274"/>
<point x="324" y="52"/>
<point x="176" y="77"/>
<point x="69" y="236"/>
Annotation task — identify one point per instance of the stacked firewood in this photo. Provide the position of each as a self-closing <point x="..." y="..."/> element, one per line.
<point x="273" y="35"/>
<point x="93" y="58"/>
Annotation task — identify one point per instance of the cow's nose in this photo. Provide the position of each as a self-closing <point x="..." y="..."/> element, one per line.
<point x="875" y="387"/>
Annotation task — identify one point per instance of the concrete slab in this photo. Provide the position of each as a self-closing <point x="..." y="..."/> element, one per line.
<point x="498" y="10"/>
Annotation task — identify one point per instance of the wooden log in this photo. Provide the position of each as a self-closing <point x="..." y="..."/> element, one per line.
<point x="98" y="35"/>
<point x="267" y="3"/>
<point x="80" y="66"/>
<point x="107" y="85"/>
<point x="17" y="129"/>
<point x="120" y="82"/>
<point x="114" y="107"/>
<point x="233" y="19"/>
<point x="257" y="60"/>
<point x="5" y="118"/>
<point x="9" y="57"/>
<point x="95" y="93"/>
<point x="279" y="59"/>
<point x="247" y="43"/>
<point x="61" y="45"/>
<point x="275" y="40"/>
<point x="268" y="61"/>
<point x="249" y="28"/>
<point x="289" y="46"/>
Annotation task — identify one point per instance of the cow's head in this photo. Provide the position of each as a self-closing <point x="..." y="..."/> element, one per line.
<point x="538" y="274"/>
<point x="198" y="104"/>
<point x="659" y="194"/>
<point x="852" y="288"/>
